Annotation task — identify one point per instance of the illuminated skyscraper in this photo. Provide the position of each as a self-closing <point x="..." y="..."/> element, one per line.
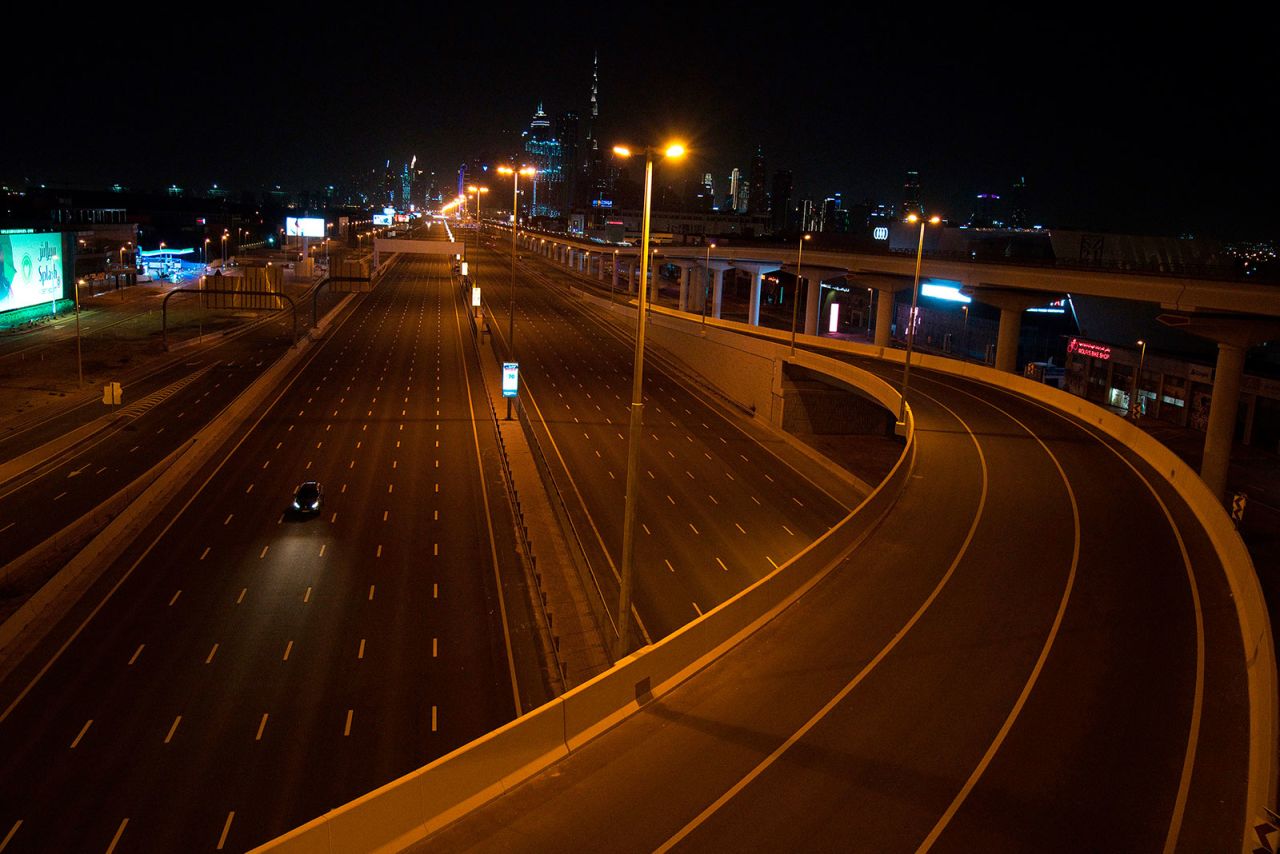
<point x="757" y="197"/>
<point x="911" y="203"/>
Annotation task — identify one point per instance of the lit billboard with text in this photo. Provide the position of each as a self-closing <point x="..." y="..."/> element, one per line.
<point x="304" y="226"/>
<point x="31" y="270"/>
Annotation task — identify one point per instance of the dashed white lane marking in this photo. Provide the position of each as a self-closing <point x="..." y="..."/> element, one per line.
<point x="435" y="591"/>
<point x="433" y="718"/>
<point x="137" y="652"/>
<point x="669" y="566"/>
<point x="240" y="598"/>
<point x="4" y="843"/>
<point x="788" y="530"/>
<point x="222" y="840"/>
<point x="434" y="647"/>
<point x="722" y="566"/>
<point x="695" y="530"/>
<point x="696" y="608"/>
<point x="371" y="588"/>
<point x="172" y="729"/>
<point x="115" y="840"/>
<point x="360" y="652"/>
<point x="346" y="730"/>
<point x="83" y="730"/>
<point x="796" y="500"/>
<point x="227" y="521"/>
<point x="672" y="500"/>
<point x="212" y="653"/>
<point x="262" y="724"/>
<point x="264" y="552"/>
<point x="288" y="648"/>
<point x="646" y="528"/>
<point x="204" y="554"/>
<point x="250" y="489"/>
<point x="306" y="597"/>
<point x="379" y="553"/>
<point x="175" y="598"/>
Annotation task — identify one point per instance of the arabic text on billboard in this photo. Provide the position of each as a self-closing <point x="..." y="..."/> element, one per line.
<point x="304" y="226"/>
<point x="30" y="269"/>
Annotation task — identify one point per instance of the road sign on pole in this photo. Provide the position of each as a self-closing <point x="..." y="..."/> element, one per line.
<point x="475" y="297"/>
<point x="510" y="379"/>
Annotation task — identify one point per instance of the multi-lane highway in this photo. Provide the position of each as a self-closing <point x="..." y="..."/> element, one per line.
<point x="1036" y="650"/>
<point x="718" y="508"/>
<point x="251" y="667"/>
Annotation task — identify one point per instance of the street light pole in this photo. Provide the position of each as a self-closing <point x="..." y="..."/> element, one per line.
<point x="623" y="643"/>
<point x="911" y="318"/>
<point x="515" y="219"/>
<point x="1135" y="404"/>
<point x="795" y="303"/>
<point x="79" y="360"/>
<point x="706" y="287"/>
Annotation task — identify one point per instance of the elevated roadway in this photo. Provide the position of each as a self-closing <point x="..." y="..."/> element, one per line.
<point x="1037" y="650"/>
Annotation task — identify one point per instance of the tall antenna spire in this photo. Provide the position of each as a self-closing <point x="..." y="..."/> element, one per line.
<point x="595" y="81"/>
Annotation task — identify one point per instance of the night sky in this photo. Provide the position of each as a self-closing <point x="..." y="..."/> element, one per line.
<point x="1144" y="125"/>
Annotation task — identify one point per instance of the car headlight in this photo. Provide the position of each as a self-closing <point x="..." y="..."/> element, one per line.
<point x="296" y="505"/>
<point x="316" y="505"/>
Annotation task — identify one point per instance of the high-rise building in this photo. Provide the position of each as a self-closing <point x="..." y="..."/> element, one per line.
<point x="735" y="183"/>
<point x="542" y="150"/>
<point x="757" y="197"/>
<point x="1018" y="216"/>
<point x="782" y="217"/>
<point x="986" y="212"/>
<point x="911" y="203"/>
<point x="566" y="133"/>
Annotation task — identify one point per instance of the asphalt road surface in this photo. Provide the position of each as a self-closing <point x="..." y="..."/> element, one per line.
<point x="254" y="667"/>
<point x="1035" y="651"/>
<point x="717" y="508"/>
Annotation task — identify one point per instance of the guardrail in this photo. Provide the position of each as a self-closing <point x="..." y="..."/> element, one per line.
<point x="522" y="529"/>
<point x="414" y="806"/>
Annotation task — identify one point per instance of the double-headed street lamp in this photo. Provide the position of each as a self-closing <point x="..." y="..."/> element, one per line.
<point x="795" y="303"/>
<point x="911" y="319"/>
<point x="515" y="174"/>
<point x="673" y="152"/>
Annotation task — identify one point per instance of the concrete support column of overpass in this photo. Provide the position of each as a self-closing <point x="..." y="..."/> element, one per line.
<point x="1234" y="336"/>
<point x="717" y="288"/>
<point x="633" y="265"/>
<point x="686" y="275"/>
<point x="616" y="262"/>
<point x="1012" y="303"/>
<point x="757" y="271"/>
<point x="1220" y="431"/>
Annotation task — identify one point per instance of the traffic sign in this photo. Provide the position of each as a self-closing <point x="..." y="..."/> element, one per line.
<point x="475" y="297"/>
<point x="510" y="379"/>
<point x="111" y="394"/>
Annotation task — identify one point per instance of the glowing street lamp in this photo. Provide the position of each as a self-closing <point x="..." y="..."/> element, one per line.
<point x="515" y="174"/>
<point x="911" y="319"/>
<point x="673" y="151"/>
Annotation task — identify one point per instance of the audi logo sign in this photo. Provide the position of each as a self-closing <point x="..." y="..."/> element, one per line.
<point x="880" y="233"/>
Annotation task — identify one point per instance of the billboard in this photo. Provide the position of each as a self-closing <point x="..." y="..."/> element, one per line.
<point x="31" y="269"/>
<point x="304" y="226"/>
<point x="382" y="219"/>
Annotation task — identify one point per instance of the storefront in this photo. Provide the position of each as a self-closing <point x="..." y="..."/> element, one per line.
<point x="1172" y="390"/>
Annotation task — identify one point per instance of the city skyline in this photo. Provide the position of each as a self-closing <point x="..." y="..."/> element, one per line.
<point x="1126" y="131"/>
